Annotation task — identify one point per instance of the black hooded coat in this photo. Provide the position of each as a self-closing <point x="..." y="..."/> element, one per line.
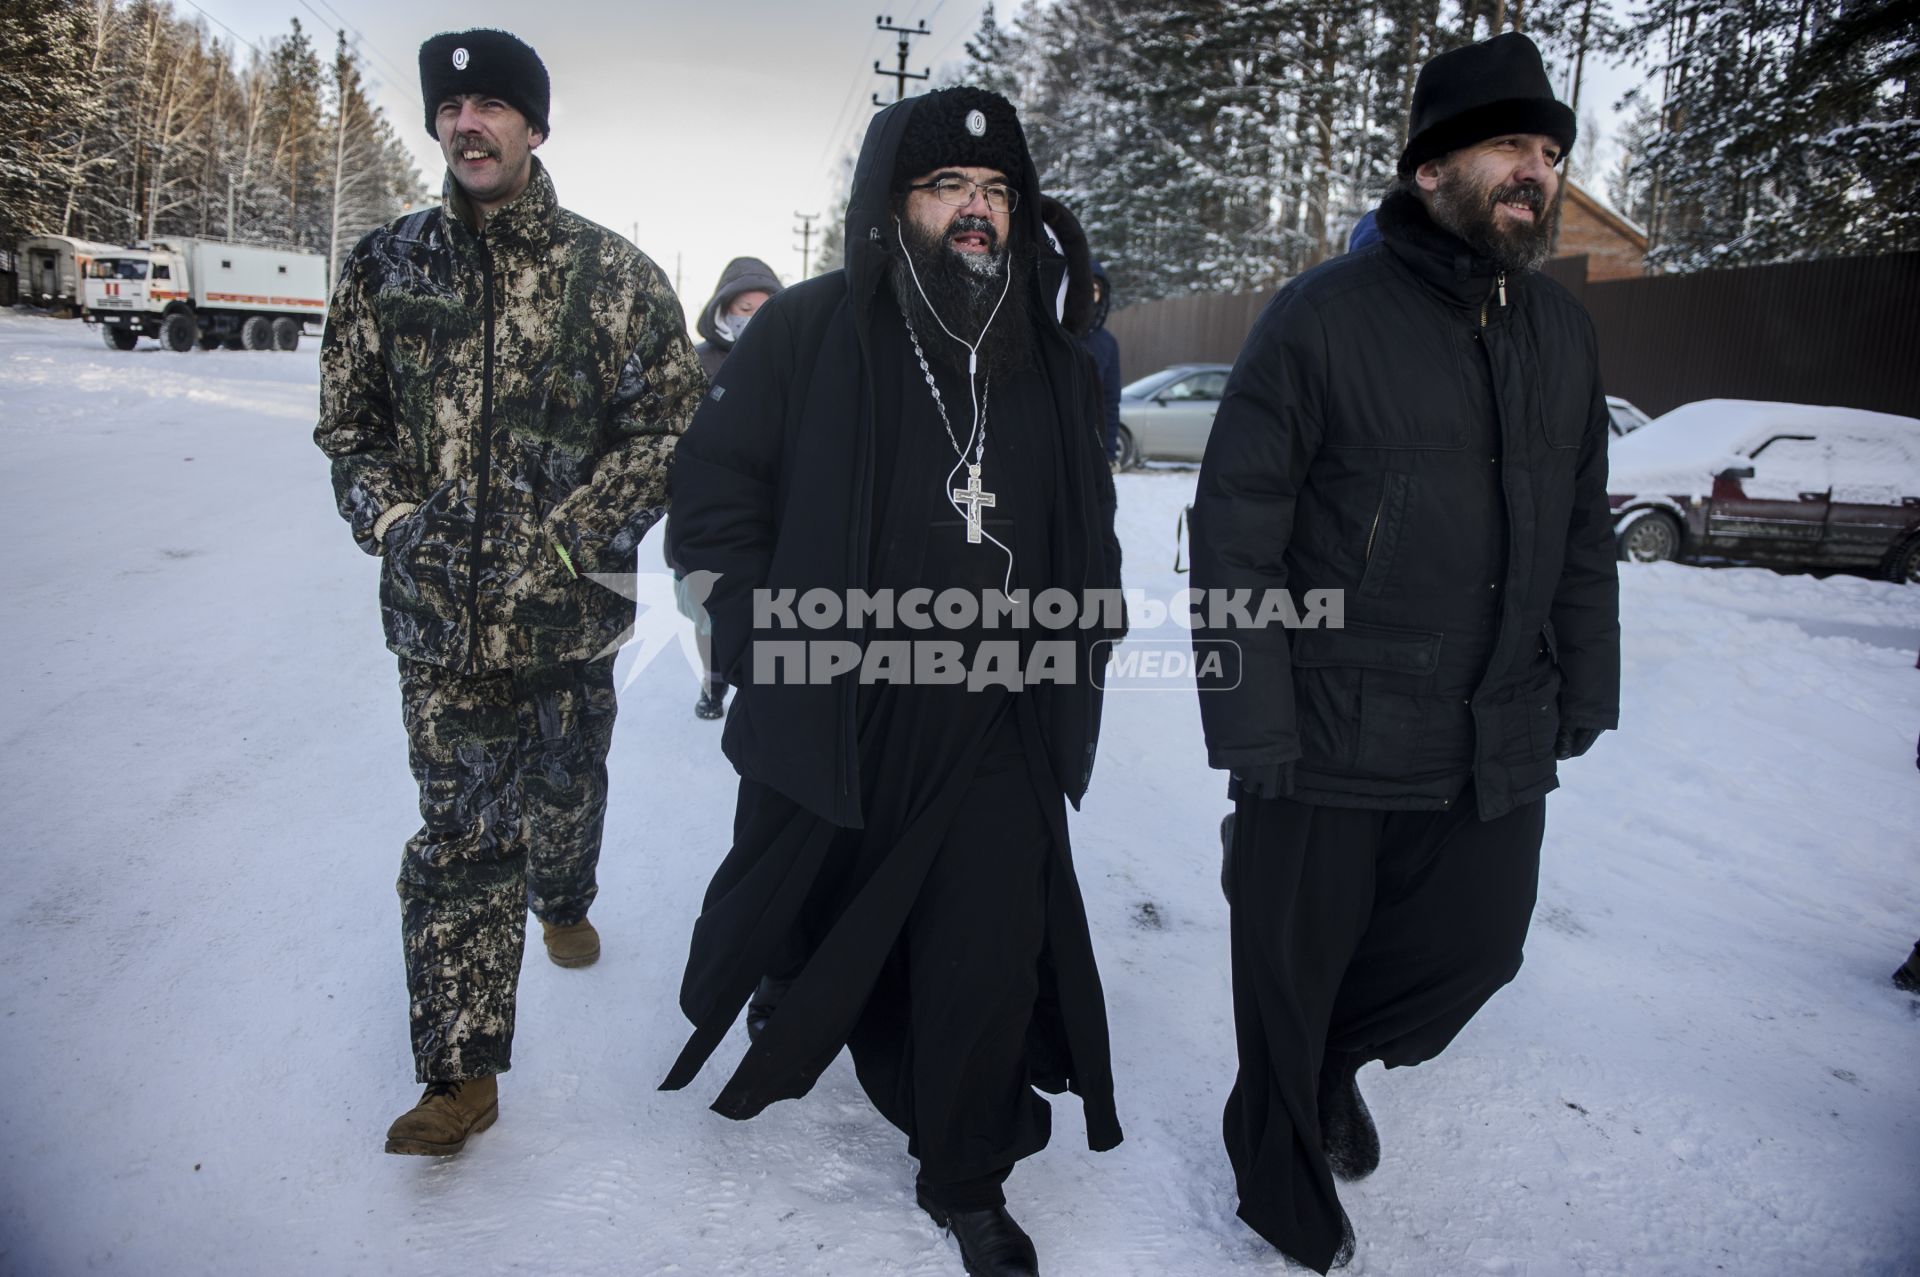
<point x="773" y="488"/>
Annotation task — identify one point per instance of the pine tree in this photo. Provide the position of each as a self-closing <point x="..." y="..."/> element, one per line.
<point x="1785" y="129"/>
<point x="45" y="100"/>
<point x="989" y="59"/>
<point x="292" y="119"/>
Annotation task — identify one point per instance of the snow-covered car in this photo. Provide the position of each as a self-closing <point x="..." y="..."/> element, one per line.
<point x="1785" y="485"/>
<point x="1622" y="417"/>
<point x="1167" y="415"/>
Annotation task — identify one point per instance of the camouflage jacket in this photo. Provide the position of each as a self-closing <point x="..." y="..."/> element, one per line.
<point x="523" y="389"/>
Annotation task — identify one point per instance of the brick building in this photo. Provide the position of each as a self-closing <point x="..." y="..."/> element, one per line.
<point x="1614" y="247"/>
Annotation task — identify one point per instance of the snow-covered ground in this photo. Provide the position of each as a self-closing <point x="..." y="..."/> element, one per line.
<point x="1702" y="1068"/>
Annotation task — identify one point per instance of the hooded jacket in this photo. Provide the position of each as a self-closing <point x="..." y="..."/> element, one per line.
<point x="773" y="488"/>
<point x="1426" y="434"/>
<point x="742" y="275"/>
<point x="523" y="390"/>
<point x="1105" y="349"/>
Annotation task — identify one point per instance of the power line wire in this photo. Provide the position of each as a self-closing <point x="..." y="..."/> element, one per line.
<point x="328" y="24"/>
<point x="855" y="91"/>
<point x="378" y="53"/>
<point x="229" y="30"/>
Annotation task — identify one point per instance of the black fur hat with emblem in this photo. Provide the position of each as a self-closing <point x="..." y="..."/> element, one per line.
<point x="495" y="63"/>
<point x="1484" y="90"/>
<point x="961" y="127"/>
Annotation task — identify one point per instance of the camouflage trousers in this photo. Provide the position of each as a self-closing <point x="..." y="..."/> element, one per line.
<point x="512" y="769"/>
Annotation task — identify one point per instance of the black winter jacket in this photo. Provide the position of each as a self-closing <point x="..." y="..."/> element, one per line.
<point x="773" y="487"/>
<point x="1429" y="437"/>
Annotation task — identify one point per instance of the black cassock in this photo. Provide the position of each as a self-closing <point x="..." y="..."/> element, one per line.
<point x="934" y="942"/>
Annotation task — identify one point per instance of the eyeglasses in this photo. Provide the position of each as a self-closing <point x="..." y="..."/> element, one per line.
<point x="958" y="191"/>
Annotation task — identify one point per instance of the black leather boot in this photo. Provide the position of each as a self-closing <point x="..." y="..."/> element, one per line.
<point x="1347" y="1133"/>
<point x="764" y="1002"/>
<point x="1908" y="976"/>
<point x="713" y="701"/>
<point x="991" y="1243"/>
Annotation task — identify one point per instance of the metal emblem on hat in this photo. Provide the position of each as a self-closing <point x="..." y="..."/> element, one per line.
<point x="460" y="59"/>
<point x="976" y="123"/>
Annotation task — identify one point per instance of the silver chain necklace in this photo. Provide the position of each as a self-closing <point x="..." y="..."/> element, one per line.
<point x="973" y="496"/>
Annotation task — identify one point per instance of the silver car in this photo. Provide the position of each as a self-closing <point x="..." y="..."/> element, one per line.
<point x="1167" y="415"/>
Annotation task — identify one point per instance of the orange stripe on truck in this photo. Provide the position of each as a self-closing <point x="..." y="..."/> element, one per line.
<point x="248" y="299"/>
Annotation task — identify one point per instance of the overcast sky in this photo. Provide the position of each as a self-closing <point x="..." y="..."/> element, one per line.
<point x="699" y="127"/>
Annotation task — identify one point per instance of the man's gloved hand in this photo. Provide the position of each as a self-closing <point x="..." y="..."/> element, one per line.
<point x="1574" y="740"/>
<point x="1275" y="780"/>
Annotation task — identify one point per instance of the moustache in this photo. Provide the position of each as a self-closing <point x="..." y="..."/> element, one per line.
<point x="976" y="226"/>
<point x="474" y="142"/>
<point x="1521" y="195"/>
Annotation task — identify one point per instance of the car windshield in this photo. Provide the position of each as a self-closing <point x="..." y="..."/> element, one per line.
<point x="117" y="268"/>
<point x="1148" y="385"/>
<point x="1625" y="420"/>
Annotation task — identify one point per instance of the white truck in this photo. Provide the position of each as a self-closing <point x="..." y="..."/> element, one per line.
<point x="205" y="292"/>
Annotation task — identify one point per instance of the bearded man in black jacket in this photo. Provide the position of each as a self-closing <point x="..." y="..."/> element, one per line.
<point x="1420" y="426"/>
<point x="900" y="871"/>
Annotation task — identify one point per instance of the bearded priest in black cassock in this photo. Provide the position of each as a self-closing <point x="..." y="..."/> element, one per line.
<point x="900" y="881"/>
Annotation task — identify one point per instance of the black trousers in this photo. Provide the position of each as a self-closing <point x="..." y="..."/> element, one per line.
<point x="1357" y="935"/>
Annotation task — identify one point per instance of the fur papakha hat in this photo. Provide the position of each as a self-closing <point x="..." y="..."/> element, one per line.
<point x="496" y="63"/>
<point x="961" y="127"/>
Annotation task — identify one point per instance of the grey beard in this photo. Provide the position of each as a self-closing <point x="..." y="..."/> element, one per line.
<point x="963" y="290"/>
<point x="1468" y="211"/>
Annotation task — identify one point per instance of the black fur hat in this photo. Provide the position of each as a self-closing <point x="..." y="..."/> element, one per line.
<point x="1470" y="94"/>
<point x="485" y="61"/>
<point x="961" y="127"/>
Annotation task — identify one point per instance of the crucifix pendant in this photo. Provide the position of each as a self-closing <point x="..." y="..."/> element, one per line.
<point x="974" y="498"/>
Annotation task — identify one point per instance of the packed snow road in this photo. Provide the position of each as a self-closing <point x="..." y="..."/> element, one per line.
<point x="1702" y="1067"/>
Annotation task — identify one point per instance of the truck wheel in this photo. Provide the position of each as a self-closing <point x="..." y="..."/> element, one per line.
<point x="178" y="332"/>
<point x="256" y="333"/>
<point x="118" y="338"/>
<point x="286" y="333"/>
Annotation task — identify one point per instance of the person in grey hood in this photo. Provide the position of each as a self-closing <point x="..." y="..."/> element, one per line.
<point x="744" y="286"/>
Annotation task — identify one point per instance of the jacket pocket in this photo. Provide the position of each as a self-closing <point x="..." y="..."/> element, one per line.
<point x="423" y="578"/>
<point x="1361" y="703"/>
<point x="423" y="559"/>
<point x="1384" y="533"/>
<point x="1359" y="646"/>
<point x="1524" y="726"/>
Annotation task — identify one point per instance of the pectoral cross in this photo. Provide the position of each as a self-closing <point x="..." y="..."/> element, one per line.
<point x="973" y="498"/>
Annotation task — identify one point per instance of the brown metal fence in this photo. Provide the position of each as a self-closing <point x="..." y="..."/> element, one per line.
<point x="1842" y="331"/>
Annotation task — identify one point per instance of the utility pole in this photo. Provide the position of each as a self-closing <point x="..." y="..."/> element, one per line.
<point x="806" y="240"/>
<point x="901" y="76"/>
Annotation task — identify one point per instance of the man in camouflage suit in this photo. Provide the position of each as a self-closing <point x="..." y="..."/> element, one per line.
<point x="502" y="386"/>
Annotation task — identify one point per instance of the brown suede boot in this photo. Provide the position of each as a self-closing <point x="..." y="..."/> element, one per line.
<point x="574" y="945"/>
<point x="449" y="1112"/>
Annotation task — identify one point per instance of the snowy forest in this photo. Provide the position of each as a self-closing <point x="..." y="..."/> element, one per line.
<point x="1212" y="146"/>
<point x="125" y="122"/>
